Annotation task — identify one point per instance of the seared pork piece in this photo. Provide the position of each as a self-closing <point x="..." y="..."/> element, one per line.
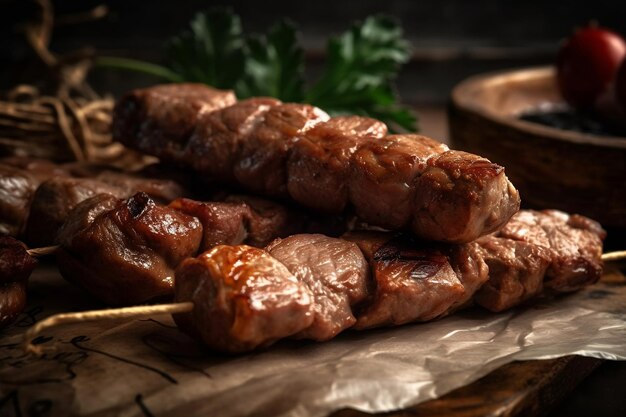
<point x="53" y="201"/>
<point x="124" y="252"/>
<point x="516" y="272"/>
<point x="164" y="116"/>
<point x="16" y="265"/>
<point x="15" y="262"/>
<point x="319" y="163"/>
<point x="215" y="144"/>
<point x="42" y="169"/>
<point x="162" y="190"/>
<point x="243" y="299"/>
<point x="254" y="222"/>
<point x="413" y="281"/>
<point x="12" y="301"/>
<point x="16" y="191"/>
<point x="574" y="243"/>
<point x="386" y="169"/>
<point x="55" y="198"/>
<point x="336" y="273"/>
<point x="460" y="197"/>
<point x="262" y="165"/>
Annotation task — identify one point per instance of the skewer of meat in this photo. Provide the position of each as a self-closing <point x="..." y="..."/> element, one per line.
<point x="297" y="151"/>
<point x="107" y="243"/>
<point x="238" y="298"/>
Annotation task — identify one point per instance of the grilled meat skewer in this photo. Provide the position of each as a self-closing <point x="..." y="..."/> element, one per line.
<point x="297" y="151"/>
<point x="239" y="298"/>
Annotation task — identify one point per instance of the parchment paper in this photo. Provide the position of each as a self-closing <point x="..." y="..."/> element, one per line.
<point x="148" y="368"/>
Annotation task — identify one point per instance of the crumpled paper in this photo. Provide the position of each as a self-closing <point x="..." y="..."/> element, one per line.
<point x="147" y="367"/>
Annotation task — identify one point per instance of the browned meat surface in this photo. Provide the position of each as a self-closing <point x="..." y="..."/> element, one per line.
<point x="413" y="282"/>
<point x="260" y="143"/>
<point x="164" y="116"/>
<point x="55" y="198"/>
<point x="215" y="145"/>
<point x="12" y="301"/>
<point x="387" y="169"/>
<point x="16" y="191"/>
<point x="573" y="242"/>
<point x="470" y="267"/>
<point x="15" y="262"/>
<point x="162" y="190"/>
<point x="252" y="221"/>
<point x="41" y="169"/>
<point x="125" y="251"/>
<point x="319" y="163"/>
<point x="262" y="165"/>
<point x="336" y="273"/>
<point x="222" y="223"/>
<point x="460" y="197"/>
<point x="16" y="265"/>
<point x="53" y="201"/>
<point x="243" y="299"/>
<point x="516" y="272"/>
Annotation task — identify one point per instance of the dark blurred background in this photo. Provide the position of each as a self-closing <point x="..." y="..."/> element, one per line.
<point x="451" y="39"/>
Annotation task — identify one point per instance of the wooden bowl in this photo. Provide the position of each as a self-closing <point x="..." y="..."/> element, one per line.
<point x="552" y="168"/>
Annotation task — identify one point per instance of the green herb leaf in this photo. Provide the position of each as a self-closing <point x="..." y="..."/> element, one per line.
<point x="361" y="66"/>
<point x="274" y="65"/>
<point x="211" y="52"/>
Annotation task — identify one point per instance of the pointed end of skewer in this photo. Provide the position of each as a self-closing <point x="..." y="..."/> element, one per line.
<point x="614" y="256"/>
<point x="48" y="250"/>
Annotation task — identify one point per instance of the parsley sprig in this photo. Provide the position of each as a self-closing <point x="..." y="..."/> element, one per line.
<point x="361" y="66"/>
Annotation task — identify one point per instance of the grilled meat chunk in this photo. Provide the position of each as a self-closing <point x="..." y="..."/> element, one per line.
<point x="387" y="168"/>
<point x="16" y="191"/>
<point x="254" y="222"/>
<point x="243" y="299"/>
<point x="164" y="116"/>
<point x="336" y="273"/>
<point x="12" y="301"/>
<point x="16" y="265"/>
<point x="125" y="251"/>
<point x="460" y="197"/>
<point x="573" y="241"/>
<point x="54" y="199"/>
<point x="162" y="190"/>
<point x="262" y="164"/>
<point x="516" y="272"/>
<point x="215" y="144"/>
<point x="413" y="281"/>
<point x="319" y="163"/>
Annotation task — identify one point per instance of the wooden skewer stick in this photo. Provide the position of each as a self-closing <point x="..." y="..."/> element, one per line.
<point x="614" y="256"/>
<point x="108" y="314"/>
<point x="46" y="250"/>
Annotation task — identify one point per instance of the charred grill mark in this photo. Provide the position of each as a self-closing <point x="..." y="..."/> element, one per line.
<point x="426" y="263"/>
<point x="138" y="204"/>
